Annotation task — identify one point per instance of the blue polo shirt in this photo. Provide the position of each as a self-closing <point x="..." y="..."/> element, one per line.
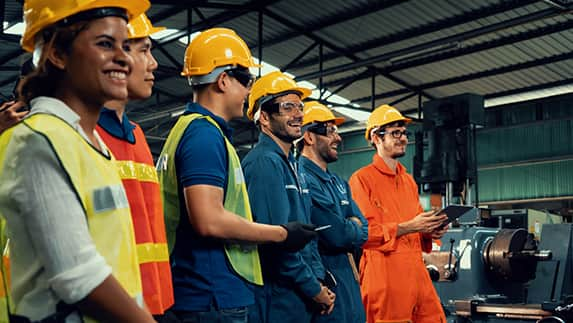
<point x="202" y="277"/>
<point x="278" y="194"/>
<point x="121" y="129"/>
<point x="332" y="204"/>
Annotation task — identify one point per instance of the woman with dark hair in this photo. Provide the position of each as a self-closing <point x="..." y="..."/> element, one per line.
<point x="72" y="247"/>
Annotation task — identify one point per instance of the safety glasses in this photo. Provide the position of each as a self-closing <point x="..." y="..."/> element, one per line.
<point x="288" y="107"/>
<point x="242" y="75"/>
<point x="323" y="129"/>
<point x="396" y="134"/>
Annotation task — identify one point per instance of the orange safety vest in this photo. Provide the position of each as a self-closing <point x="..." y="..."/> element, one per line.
<point x="137" y="171"/>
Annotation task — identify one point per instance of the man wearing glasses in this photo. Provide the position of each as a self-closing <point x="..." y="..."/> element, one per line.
<point x="333" y="207"/>
<point x="395" y="284"/>
<point x="293" y="291"/>
<point x="211" y="235"/>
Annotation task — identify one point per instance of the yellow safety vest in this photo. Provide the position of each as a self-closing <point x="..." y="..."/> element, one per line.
<point x="98" y="187"/>
<point x="4" y="274"/>
<point x="243" y="257"/>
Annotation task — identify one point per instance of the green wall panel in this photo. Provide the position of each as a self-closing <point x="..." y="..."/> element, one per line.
<point x="525" y="152"/>
<point x="543" y="180"/>
<point x="349" y="163"/>
<point x="525" y="142"/>
<point x="354" y="140"/>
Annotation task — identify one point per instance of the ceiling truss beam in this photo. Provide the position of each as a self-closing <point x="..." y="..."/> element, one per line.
<point x="426" y="29"/>
<point x="474" y="76"/>
<point x="444" y="41"/>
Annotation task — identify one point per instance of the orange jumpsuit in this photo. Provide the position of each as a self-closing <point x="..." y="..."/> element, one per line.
<point x="394" y="282"/>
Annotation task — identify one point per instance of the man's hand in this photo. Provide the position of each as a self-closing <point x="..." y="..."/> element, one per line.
<point x="325" y="300"/>
<point x="438" y="233"/>
<point x="356" y="220"/>
<point x="298" y="235"/>
<point x="425" y="222"/>
<point x="9" y="114"/>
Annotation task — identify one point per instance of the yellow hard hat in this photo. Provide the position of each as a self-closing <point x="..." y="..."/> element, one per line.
<point x="39" y="14"/>
<point x="314" y="111"/>
<point x="272" y="84"/>
<point x="382" y="116"/>
<point x="140" y="27"/>
<point x="213" y="48"/>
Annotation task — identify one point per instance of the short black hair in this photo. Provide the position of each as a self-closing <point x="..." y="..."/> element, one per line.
<point x="270" y="106"/>
<point x="199" y="87"/>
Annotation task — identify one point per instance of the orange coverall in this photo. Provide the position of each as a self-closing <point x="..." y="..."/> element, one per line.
<point x="394" y="282"/>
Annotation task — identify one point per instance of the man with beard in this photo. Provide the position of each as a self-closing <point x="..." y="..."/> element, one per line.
<point x="332" y="205"/>
<point x="395" y="284"/>
<point x="214" y="258"/>
<point x="293" y="291"/>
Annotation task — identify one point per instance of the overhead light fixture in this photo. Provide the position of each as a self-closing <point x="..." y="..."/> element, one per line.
<point x="355" y="114"/>
<point x="163" y="33"/>
<point x="528" y="96"/>
<point x="14" y="28"/>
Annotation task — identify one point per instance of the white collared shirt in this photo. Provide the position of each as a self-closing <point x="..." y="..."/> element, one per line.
<point x="53" y="258"/>
<point x="53" y="106"/>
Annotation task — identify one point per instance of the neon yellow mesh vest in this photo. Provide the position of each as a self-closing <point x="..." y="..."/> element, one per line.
<point x="4" y="274"/>
<point x="97" y="185"/>
<point x="243" y="257"/>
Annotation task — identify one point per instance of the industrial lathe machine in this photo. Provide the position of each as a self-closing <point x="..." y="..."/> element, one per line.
<point x="485" y="272"/>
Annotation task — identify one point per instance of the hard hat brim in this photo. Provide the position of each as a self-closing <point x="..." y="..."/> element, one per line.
<point x="151" y="31"/>
<point x="337" y="120"/>
<point x="369" y="130"/>
<point x="304" y="92"/>
<point x="133" y="8"/>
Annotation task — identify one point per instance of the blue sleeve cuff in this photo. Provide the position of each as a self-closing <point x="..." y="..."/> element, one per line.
<point x="363" y="235"/>
<point x="203" y="180"/>
<point x="310" y="288"/>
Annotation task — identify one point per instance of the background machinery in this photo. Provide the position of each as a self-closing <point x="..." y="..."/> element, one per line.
<point x="493" y="265"/>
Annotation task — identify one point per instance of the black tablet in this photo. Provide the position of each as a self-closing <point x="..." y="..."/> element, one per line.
<point x="454" y="211"/>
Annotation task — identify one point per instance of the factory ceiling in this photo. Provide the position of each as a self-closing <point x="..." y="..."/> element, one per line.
<point x="401" y="52"/>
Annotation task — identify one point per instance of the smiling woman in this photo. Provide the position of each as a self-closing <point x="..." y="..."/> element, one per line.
<point x="85" y="62"/>
<point x="72" y="244"/>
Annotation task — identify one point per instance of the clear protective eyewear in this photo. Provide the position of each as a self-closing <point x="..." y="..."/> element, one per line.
<point x="396" y="134"/>
<point x="323" y="129"/>
<point x="288" y="107"/>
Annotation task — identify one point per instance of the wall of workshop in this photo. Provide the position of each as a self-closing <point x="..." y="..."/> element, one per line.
<point x="525" y="151"/>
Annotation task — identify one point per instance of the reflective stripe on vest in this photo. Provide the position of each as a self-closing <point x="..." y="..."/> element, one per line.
<point x="139" y="177"/>
<point x="243" y="257"/>
<point x="152" y="252"/>
<point x="100" y="190"/>
<point x="129" y="169"/>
